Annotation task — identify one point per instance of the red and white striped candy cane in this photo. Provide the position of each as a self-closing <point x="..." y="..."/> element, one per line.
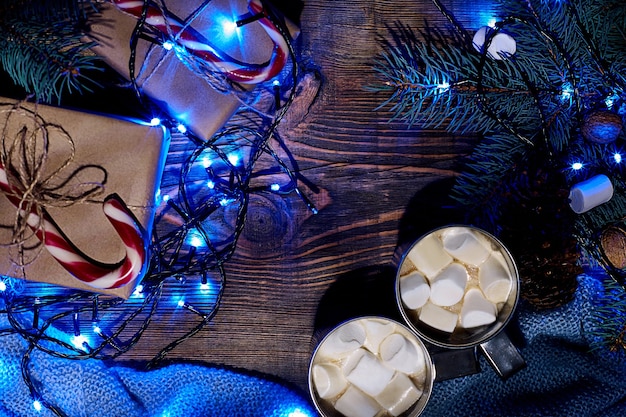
<point x="89" y="271"/>
<point x="200" y="47"/>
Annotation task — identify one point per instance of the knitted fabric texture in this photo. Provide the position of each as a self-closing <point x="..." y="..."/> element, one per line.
<point x="91" y="388"/>
<point x="562" y="377"/>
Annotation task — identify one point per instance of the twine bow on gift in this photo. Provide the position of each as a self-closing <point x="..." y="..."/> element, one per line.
<point x="33" y="182"/>
<point x="30" y="180"/>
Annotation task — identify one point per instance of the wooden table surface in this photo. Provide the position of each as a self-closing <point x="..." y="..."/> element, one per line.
<point x="373" y="183"/>
<point x="377" y="183"/>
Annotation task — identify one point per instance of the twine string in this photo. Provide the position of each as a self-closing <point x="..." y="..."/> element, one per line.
<point x="36" y="180"/>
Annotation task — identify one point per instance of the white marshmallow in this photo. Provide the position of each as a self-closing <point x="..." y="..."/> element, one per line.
<point x="414" y="290"/>
<point x="342" y="341"/>
<point x="495" y="279"/>
<point x="438" y="318"/>
<point x="590" y="193"/>
<point x="501" y="46"/>
<point x="429" y="256"/>
<point x="366" y="372"/>
<point x="448" y="287"/>
<point x="376" y="331"/>
<point x="399" y="353"/>
<point x="328" y="380"/>
<point x="354" y="403"/>
<point x="399" y="395"/>
<point x="477" y="310"/>
<point x="464" y="245"/>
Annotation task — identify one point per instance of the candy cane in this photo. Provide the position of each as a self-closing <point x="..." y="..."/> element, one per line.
<point x="200" y="47"/>
<point x="89" y="271"/>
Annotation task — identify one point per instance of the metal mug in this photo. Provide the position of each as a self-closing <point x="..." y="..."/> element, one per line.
<point x="423" y="382"/>
<point x="490" y="339"/>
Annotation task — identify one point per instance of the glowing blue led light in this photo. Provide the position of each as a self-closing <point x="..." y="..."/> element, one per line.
<point x="610" y="100"/>
<point x="97" y="329"/>
<point x="206" y="162"/>
<point x="228" y="26"/>
<point x="210" y="184"/>
<point x="168" y="45"/>
<point x="79" y="341"/>
<point x="443" y="86"/>
<point x="577" y="165"/>
<point x="3" y="286"/>
<point x="233" y="159"/>
<point x="155" y="121"/>
<point x="224" y="202"/>
<point x="297" y="413"/>
<point x="276" y="83"/>
<point x="181" y="128"/>
<point x="195" y="241"/>
<point x="138" y="293"/>
<point x="617" y="157"/>
<point x="275" y="187"/>
<point x="37" y="405"/>
<point x="166" y="198"/>
<point x="205" y="287"/>
<point x="566" y="91"/>
<point x="492" y="22"/>
<point x="181" y="303"/>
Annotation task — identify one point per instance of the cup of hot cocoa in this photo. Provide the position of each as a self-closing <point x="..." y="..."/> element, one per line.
<point x="457" y="287"/>
<point x="370" y="367"/>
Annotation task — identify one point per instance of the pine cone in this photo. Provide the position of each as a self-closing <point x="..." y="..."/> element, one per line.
<point x="538" y="229"/>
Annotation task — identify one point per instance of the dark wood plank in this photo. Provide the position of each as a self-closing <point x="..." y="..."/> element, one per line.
<point x="367" y="171"/>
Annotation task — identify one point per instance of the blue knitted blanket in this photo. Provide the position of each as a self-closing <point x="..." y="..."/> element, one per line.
<point x="91" y="388"/>
<point x="562" y="378"/>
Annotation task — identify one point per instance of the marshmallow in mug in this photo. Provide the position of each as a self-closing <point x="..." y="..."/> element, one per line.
<point x="384" y="376"/>
<point x="343" y="340"/>
<point x="466" y="291"/>
<point x="465" y="245"/>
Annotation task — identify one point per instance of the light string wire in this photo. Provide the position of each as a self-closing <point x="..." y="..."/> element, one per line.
<point x="26" y="304"/>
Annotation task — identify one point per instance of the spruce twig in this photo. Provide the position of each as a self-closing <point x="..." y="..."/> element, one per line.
<point x="43" y="47"/>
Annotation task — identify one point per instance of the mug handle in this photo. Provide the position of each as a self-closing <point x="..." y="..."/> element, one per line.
<point x="502" y="355"/>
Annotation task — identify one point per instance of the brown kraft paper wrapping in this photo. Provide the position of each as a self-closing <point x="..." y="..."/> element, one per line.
<point x="133" y="156"/>
<point x="185" y="96"/>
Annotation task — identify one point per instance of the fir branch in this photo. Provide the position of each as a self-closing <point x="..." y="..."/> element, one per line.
<point x="47" y="10"/>
<point x="46" y="53"/>
<point x="486" y="182"/>
<point x="608" y="330"/>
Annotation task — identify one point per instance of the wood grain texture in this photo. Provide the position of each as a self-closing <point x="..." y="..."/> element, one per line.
<point x="367" y="172"/>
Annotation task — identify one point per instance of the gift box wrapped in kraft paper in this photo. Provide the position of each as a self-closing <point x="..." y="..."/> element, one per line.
<point x="172" y="67"/>
<point x="77" y="197"/>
